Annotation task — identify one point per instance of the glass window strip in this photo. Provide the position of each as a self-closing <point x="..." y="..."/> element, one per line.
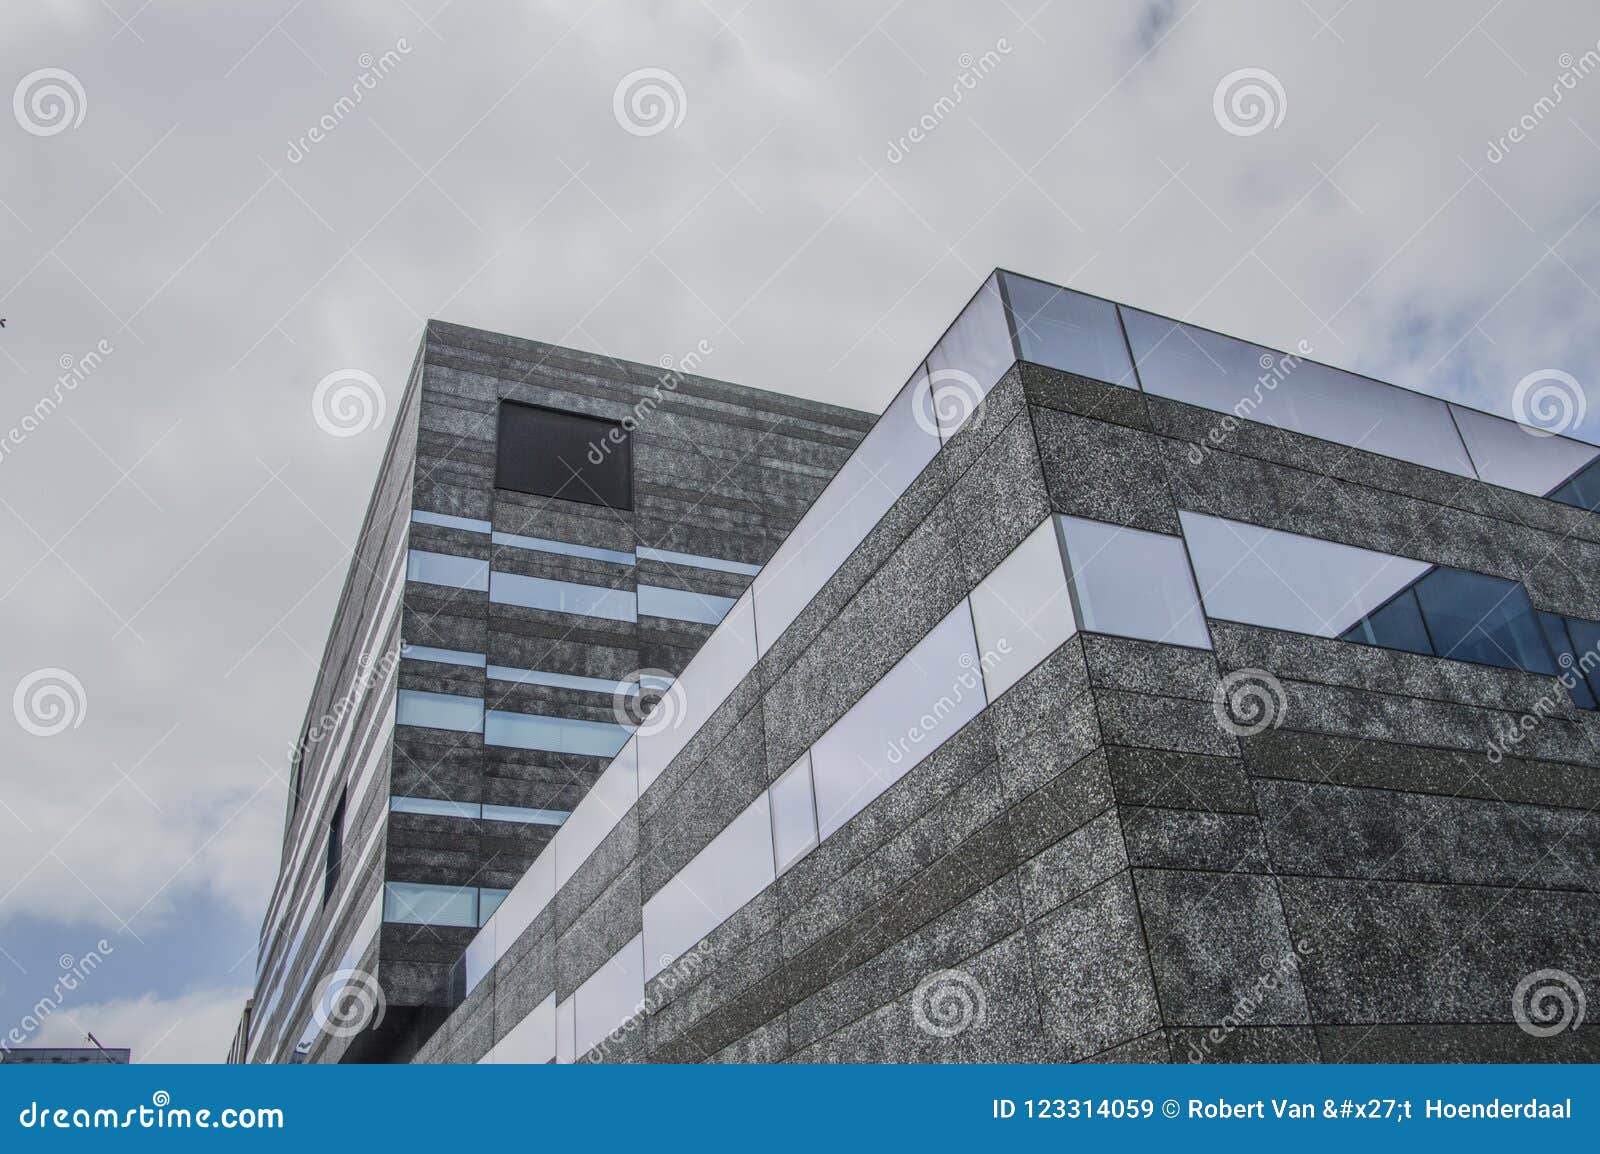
<point x="442" y="656"/>
<point x="565" y="680"/>
<point x="565" y="548"/>
<point x="695" y="561"/>
<point x="450" y="521"/>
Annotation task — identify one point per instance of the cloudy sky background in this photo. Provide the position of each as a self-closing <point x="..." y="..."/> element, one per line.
<point x="176" y="532"/>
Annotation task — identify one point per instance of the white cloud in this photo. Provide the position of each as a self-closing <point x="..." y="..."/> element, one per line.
<point x="193" y="1028"/>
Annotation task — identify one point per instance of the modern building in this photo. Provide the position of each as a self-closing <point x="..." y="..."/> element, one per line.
<point x="1131" y="692"/>
<point x="66" y="1056"/>
<point x="552" y="536"/>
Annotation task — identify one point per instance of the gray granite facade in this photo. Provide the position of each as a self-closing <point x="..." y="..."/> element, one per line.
<point x="1093" y="867"/>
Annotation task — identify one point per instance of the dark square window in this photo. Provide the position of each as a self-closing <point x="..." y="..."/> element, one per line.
<point x="1398" y="625"/>
<point x="330" y="877"/>
<point x="553" y="454"/>
<point x="1489" y="620"/>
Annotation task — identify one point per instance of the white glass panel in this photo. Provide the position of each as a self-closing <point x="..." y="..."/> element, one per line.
<point x="449" y="521"/>
<point x="1022" y="611"/>
<point x="1132" y="583"/>
<point x="559" y="680"/>
<point x="444" y="569"/>
<point x="526" y="900"/>
<point x="883" y="465"/>
<point x="969" y="359"/>
<point x="1069" y="331"/>
<point x="683" y="604"/>
<point x="1507" y="454"/>
<point x="565" y="548"/>
<point x="734" y="867"/>
<point x="1286" y="581"/>
<point x="531" y="1041"/>
<point x="598" y="813"/>
<point x="794" y="813"/>
<point x="434" y="807"/>
<point x="565" y="1025"/>
<point x="443" y="656"/>
<point x="439" y="710"/>
<point x="696" y="561"/>
<point x="610" y="996"/>
<point x="562" y="596"/>
<point x="553" y="734"/>
<point x="1259" y="384"/>
<point x="481" y="956"/>
<point x="933" y="691"/>
<point x="721" y="663"/>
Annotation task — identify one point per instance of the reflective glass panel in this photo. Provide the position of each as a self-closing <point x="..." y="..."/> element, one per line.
<point x="1397" y="625"/>
<point x="1069" y="331"/>
<point x="488" y="901"/>
<point x="531" y="1041"/>
<point x="524" y="814"/>
<point x="449" y="521"/>
<point x="1568" y="658"/>
<point x="609" y="997"/>
<point x="1259" y="384"/>
<point x="1582" y="490"/>
<point x="439" y="711"/>
<point x="1288" y="581"/>
<point x="683" y="604"/>
<point x="443" y="656"/>
<point x="1507" y="454"/>
<point x="1022" y="611"/>
<point x="917" y="706"/>
<point x="1489" y="620"/>
<point x="695" y="561"/>
<point x="563" y="596"/>
<point x="733" y="868"/>
<point x="444" y="569"/>
<point x="553" y="734"/>
<point x="886" y="461"/>
<point x="1132" y="583"/>
<point x="719" y="665"/>
<point x="598" y="813"/>
<point x="558" y="680"/>
<point x="419" y="903"/>
<point x="794" y="813"/>
<point x="434" y="807"/>
<point x="968" y="361"/>
<point x="565" y="548"/>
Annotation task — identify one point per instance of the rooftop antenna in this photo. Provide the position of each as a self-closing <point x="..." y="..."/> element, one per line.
<point x="98" y="1046"/>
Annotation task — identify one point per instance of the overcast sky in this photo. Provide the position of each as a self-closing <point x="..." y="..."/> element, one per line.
<point x="176" y="528"/>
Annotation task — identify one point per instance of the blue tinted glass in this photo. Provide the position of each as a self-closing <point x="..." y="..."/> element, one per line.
<point x="683" y="604"/>
<point x="1484" y="619"/>
<point x="1586" y="655"/>
<point x="439" y="711"/>
<point x="545" y="545"/>
<point x="1555" y="632"/>
<point x="563" y="596"/>
<point x="698" y="562"/>
<point x="488" y="901"/>
<point x="554" y="734"/>
<point x="1397" y="625"/>
<point x="430" y="905"/>
<point x="444" y="569"/>
<point x="1583" y="490"/>
<point x="449" y="521"/>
